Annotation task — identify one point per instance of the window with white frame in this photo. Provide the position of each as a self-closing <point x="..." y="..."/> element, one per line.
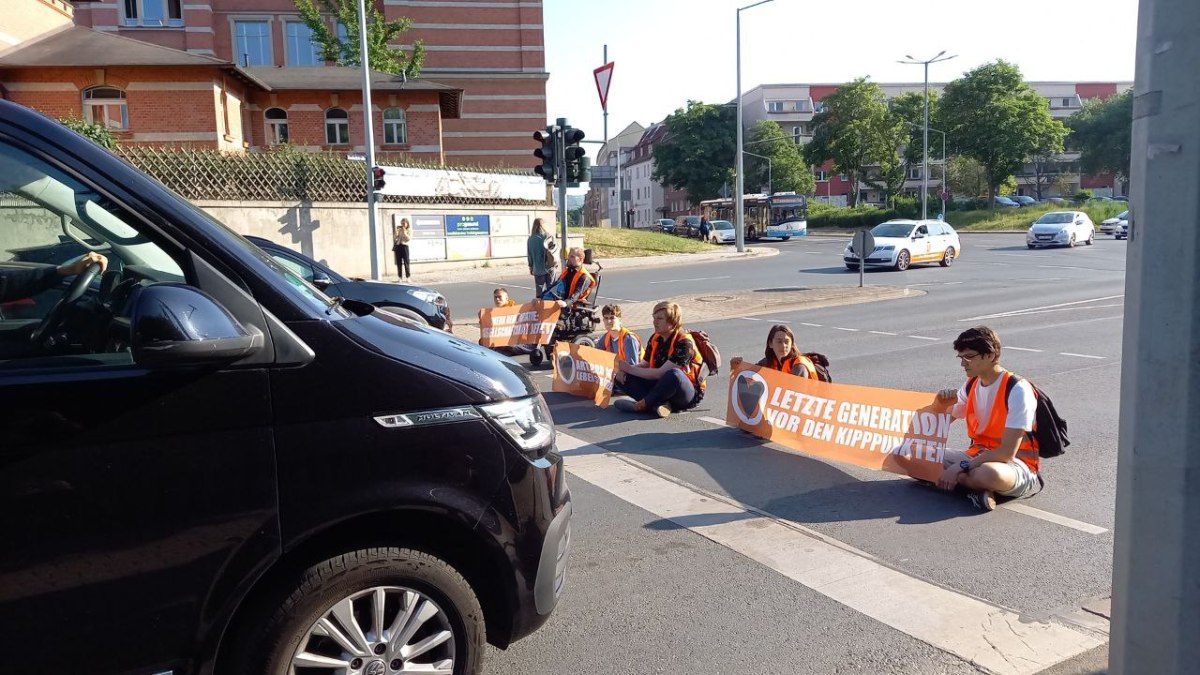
<point x="774" y="106"/>
<point x="106" y="106"/>
<point x="803" y="105"/>
<point x="252" y="40"/>
<point x="914" y="173"/>
<point x="301" y="49"/>
<point x="337" y="127"/>
<point x="798" y="131"/>
<point x="277" y="126"/>
<point x="821" y="175"/>
<point x="843" y="177"/>
<point x="154" y="13"/>
<point x="395" y="128"/>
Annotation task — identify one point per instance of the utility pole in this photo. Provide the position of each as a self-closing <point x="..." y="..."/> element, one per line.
<point x="560" y="160"/>
<point x="369" y="142"/>
<point x="925" y="146"/>
<point x="1156" y="553"/>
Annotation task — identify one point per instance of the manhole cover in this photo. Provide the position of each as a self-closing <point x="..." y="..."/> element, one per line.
<point x="714" y="298"/>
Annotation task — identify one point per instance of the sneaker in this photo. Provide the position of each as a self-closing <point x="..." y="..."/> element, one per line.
<point x="639" y="406"/>
<point x="662" y="410"/>
<point x="984" y="500"/>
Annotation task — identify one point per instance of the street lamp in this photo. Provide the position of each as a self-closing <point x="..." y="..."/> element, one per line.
<point x="740" y="225"/>
<point x="770" y="183"/>
<point x="944" y="189"/>
<point x="925" y="150"/>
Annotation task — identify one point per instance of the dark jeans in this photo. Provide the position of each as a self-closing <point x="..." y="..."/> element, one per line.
<point x="403" y="269"/>
<point x="540" y="283"/>
<point x="673" y="388"/>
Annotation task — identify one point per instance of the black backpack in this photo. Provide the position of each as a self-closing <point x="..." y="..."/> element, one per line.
<point x="1049" y="428"/>
<point x="821" y="362"/>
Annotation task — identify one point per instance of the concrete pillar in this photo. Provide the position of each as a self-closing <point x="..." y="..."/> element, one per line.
<point x="1156" y="575"/>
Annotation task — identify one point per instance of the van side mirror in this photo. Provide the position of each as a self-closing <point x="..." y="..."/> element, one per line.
<point x="176" y="325"/>
<point x="321" y="280"/>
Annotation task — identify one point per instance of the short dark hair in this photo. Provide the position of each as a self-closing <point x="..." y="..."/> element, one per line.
<point x="980" y="338"/>
<point x="611" y="310"/>
<point x="500" y="289"/>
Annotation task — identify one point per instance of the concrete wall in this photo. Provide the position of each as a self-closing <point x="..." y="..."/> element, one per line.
<point x="337" y="234"/>
<point x="26" y="19"/>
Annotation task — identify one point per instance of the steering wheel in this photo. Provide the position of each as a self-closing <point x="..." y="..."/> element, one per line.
<point x="74" y="292"/>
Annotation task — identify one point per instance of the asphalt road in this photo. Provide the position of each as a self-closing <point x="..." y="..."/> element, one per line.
<point x="672" y="569"/>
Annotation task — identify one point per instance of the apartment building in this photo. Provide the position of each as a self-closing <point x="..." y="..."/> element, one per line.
<point x="645" y="204"/>
<point x="479" y="98"/>
<point x="601" y="204"/>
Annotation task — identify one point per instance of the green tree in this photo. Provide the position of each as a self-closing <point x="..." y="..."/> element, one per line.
<point x="1045" y="162"/>
<point x="966" y="176"/>
<point x="697" y="154"/>
<point x="345" y="50"/>
<point x="993" y="116"/>
<point x="852" y="131"/>
<point x="94" y="132"/>
<point x="789" y="172"/>
<point x="909" y="110"/>
<point x="1102" y="131"/>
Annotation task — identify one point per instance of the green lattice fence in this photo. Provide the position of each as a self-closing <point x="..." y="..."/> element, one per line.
<point x="287" y="175"/>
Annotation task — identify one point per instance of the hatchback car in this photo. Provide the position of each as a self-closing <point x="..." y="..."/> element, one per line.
<point x="1109" y="225"/>
<point x="901" y="243"/>
<point x="1008" y="202"/>
<point x="687" y="226"/>
<point x="722" y="232"/>
<point x="414" y="302"/>
<point x="210" y="466"/>
<point x="665" y="225"/>
<point x="1061" y="228"/>
<point x="1023" y="200"/>
<point x="1122" y="231"/>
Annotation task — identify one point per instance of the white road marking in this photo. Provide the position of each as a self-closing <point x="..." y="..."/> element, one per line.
<point x="922" y="337"/>
<point x="881" y="332"/>
<point x="609" y="297"/>
<point x="811" y="325"/>
<point x="992" y="638"/>
<point x="749" y="318"/>
<point x="1031" y="310"/>
<point x="1024" y="349"/>
<point x="939" y="283"/>
<point x="675" y="281"/>
<point x="711" y="420"/>
<point x="1053" y="518"/>
<point x="1082" y="356"/>
<point x="848" y="330"/>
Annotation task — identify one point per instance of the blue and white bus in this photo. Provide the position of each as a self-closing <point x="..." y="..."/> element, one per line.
<point x="782" y="215"/>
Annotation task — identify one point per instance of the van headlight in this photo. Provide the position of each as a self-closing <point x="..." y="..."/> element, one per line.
<point x="527" y="422"/>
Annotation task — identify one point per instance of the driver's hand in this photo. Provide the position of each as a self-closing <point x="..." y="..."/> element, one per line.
<point x="82" y="264"/>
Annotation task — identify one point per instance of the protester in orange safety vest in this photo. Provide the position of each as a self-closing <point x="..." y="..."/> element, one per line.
<point x="782" y="355"/>
<point x="670" y="377"/>
<point x="575" y="284"/>
<point x="618" y="339"/>
<point x="500" y="297"/>
<point x="1003" y="457"/>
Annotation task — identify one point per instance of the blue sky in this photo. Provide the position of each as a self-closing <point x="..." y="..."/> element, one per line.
<point x="669" y="51"/>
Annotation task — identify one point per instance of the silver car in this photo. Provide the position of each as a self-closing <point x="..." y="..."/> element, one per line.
<point x="1061" y="228"/>
<point x="1109" y="225"/>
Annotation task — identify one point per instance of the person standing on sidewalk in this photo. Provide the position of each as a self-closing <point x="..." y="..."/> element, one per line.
<point x="400" y="239"/>
<point x="669" y="378"/>
<point x="535" y="255"/>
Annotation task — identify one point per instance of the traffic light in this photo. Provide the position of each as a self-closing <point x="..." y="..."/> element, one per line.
<point x="578" y="167"/>
<point x="546" y="153"/>
<point x="378" y="175"/>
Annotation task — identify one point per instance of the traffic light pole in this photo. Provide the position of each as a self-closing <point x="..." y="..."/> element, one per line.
<point x="369" y="142"/>
<point x="560" y="161"/>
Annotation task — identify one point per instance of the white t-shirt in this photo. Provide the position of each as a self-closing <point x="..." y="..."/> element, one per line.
<point x="1022" y="405"/>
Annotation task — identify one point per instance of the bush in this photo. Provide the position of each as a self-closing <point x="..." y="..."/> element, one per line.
<point x="851" y="218"/>
<point x="94" y="132"/>
<point x="910" y="207"/>
<point x="1083" y="195"/>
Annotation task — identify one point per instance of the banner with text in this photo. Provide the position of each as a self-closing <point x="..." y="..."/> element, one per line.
<point x="527" y="324"/>
<point x="584" y="371"/>
<point x="899" y="431"/>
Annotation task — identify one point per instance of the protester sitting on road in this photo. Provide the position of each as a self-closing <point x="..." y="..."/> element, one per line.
<point x="500" y="297"/>
<point x="575" y="284"/>
<point x="782" y="355"/>
<point x="670" y="377"/>
<point x="618" y="339"/>
<point x="1003" y="457"/>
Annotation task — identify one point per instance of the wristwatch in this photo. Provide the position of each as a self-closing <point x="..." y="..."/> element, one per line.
<point x="965" y="465"/>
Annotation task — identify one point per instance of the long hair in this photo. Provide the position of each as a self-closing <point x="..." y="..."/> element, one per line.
<point x="538" y="228"/>
<point x="780" y="328"/>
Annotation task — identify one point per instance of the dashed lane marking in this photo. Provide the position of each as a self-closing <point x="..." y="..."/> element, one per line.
<point x="992" y="638"/>
<point x="922" y="337"/>
<point x="811" y="325"/>
<point x="1082" y="356"/>
<point x="848" y="330"/>
<point x="882" y="332"/>
<point x="676" y="281"/>
<point x="1025" y="349"/>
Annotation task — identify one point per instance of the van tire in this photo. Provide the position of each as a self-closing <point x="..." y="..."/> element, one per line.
<point x="270" y="643"/>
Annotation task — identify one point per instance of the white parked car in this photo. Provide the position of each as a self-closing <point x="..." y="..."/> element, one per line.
<point x="1109" y="225"/>
<point x="722" y="232"/>
<point x="1061" y="228"/>
<point x="1122" y="231"/>
<point x="900" y="243"/>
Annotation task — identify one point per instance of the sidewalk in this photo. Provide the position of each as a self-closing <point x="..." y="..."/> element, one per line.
<point x="698" y="308"/>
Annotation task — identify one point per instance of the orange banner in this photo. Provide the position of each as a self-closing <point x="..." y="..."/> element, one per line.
<point x="899" y="431"/>
<point x="584" y="371"/>
<point x="527" y="324"/>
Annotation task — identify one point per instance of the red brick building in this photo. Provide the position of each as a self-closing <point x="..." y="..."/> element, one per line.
<point x="238" y="74"/>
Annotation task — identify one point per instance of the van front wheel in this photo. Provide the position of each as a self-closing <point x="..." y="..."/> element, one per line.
<point x="376" y="610"/>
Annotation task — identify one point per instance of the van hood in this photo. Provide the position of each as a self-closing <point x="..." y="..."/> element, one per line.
<point x="473" y="368"/>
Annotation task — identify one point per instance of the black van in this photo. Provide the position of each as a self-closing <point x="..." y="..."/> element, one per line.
<point x="209" y="466"/>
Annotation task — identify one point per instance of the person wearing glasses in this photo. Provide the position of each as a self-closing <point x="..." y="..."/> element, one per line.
<point x="1003" y="457"/>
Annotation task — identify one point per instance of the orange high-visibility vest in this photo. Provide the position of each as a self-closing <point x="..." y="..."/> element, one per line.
<point x="606" y="343"/>
<point x="509" y="303"/>
<point x="575" y="281"/>
<point x="988" y="438"/>
<point x="692" y="370"/>
<point x="790" y="362"/>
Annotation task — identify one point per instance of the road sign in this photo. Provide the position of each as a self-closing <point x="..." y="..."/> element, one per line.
<point x="943" y="195"/>
<point x="862" y="245"/>
<point x="603" y="76"/>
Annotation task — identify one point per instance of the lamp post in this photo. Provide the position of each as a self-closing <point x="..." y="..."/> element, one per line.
<point x="925" y="150"/>
<point x="943" y="190"/>
<point x="770" y="183"/>
<point x="738" y="211"/>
